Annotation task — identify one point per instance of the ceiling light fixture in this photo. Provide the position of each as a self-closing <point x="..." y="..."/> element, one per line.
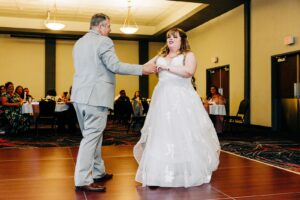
<point x="53" y="24"/>
<point x="129" y="26"/>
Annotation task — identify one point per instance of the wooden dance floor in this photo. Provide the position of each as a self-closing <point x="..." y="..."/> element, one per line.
<point x="47" y="174"/>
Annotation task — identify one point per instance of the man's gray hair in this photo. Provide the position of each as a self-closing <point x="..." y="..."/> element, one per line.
<point x="97" y="19"/>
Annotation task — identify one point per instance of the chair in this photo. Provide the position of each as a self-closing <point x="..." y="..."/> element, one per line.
<point x="136" y="123"/>
<point x="239" y="118"/>
<point x="122" y="111"/>
<point x="46" y="114"/>
<point x="4" y="124"/>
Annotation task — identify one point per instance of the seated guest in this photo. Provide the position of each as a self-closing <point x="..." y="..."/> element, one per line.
<point x="27" y="96"/>
<point x="215" y="98"/>
<point x="137" y="105"/>
<point x="20" y="91"/>
<point x="2" y="90"/>
<point x="12" y="103"/>
<point x="64" y="97"/>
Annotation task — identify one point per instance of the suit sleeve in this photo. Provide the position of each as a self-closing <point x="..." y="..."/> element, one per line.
<point x="110" y="60"/>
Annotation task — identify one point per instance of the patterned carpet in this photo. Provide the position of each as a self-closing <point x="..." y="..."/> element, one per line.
<point x="279" y="152"/>
<point x="284" y="154"/>
<point x="114" y="134"/>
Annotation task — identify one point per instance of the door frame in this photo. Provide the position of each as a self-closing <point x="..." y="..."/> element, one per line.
<point x="208" y="87"/>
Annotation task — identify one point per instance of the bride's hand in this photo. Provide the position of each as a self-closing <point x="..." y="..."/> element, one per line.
<point x="161" y="68"/>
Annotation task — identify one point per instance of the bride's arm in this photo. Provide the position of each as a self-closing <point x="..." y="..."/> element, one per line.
<point x="187" y="71"/>
<point x="152" y="60"/>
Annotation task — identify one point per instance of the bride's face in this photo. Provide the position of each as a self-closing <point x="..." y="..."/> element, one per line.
<point x="174" y="41"/>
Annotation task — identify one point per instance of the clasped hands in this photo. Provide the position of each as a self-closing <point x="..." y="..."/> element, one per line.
<point x="150" y="68"/>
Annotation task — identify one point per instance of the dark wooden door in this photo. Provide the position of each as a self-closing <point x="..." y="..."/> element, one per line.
<point x="287" y="75"/>
<point x="286" y="93"/>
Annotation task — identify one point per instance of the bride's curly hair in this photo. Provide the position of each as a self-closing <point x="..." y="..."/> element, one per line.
<point x="184" y="47"/>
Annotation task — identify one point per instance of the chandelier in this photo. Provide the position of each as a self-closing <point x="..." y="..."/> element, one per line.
<point x="52" y="24"/>
<point x="129" y="26"/>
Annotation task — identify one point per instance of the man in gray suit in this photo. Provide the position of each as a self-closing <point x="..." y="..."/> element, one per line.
<point x="93" y="90"/>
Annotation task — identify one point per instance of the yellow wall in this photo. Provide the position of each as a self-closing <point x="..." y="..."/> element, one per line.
<point x="154" y="48"/>
<point x="127" y="51"/>
<point x="222" y="37"/>
<point x="271" y="21"/>
<point x="64" y="65"/>
<point x="22" y="61"/>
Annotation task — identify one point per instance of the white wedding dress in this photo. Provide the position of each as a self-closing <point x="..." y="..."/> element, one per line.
<point x="178" y="146"/>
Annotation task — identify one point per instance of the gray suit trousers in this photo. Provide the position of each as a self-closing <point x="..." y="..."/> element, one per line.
<point x="92" y="121"/>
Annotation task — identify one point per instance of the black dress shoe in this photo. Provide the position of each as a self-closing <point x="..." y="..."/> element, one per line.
<point x="90" y="188"/>
<point x="153" y="187"/>
<point x="103" y="178"/>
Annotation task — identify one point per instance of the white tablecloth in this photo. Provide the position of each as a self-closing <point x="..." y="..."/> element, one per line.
<point x="28" y="107"/>
<point x="60" y="107"/>
<point x="217" y="110"/>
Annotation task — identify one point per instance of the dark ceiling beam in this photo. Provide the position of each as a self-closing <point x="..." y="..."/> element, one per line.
<point x="66" y="35"/>
<point x="39" y="33"/>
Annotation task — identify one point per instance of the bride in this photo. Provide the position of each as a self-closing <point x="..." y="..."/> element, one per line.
<point x="178" y="146"/>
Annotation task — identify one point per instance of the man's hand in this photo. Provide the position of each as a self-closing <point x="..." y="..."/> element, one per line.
<point x="149" y="69"/>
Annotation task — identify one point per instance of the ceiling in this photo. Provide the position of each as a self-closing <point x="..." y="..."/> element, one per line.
<point x="153" y="17"/>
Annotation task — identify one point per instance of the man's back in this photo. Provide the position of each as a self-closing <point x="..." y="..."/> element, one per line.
<point x="90" y="73"/>
<point x="95" y="65"/>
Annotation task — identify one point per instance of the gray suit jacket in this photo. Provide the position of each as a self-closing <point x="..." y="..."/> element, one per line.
<point x="95" y="65"/>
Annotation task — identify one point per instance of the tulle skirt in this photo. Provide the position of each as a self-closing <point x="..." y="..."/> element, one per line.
<point x="178" y="145"/>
